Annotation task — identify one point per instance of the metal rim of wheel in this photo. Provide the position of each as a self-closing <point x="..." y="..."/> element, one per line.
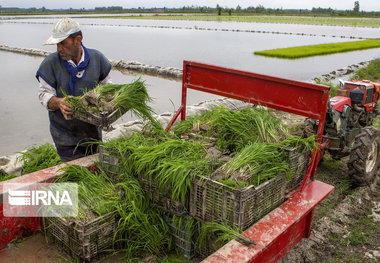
<point x="372" y="157"/>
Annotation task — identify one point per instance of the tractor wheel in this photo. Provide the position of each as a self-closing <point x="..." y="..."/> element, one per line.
<point x="364" y="157"/>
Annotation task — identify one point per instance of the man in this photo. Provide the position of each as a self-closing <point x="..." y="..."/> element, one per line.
<point x="72" y="70"/>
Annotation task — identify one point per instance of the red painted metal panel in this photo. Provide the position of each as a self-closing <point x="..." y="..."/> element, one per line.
<point x="278" y="232"/>
<point x="302" y="98"/>
<point x="338" y="102"/>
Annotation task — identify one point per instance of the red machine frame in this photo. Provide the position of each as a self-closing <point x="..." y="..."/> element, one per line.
<point x="285" y="226"/>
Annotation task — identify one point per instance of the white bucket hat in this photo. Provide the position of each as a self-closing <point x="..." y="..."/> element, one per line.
<point x="61" y="30"/>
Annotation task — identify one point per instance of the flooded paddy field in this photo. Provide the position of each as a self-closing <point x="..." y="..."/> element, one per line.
<point x="163" y="43"/>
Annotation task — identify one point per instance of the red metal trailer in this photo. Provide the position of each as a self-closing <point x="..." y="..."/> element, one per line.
<point x="284" y="227"/>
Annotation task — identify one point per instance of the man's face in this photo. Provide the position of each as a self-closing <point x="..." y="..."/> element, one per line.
<point x="69" y="48"/>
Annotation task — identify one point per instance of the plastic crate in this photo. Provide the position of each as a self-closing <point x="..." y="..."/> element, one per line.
<point x="82" y="241"/>
<point x="103" y="121"/>
<point x="298" y="164"/>
<point x="111" y="161"/>
<point x="160" y="196"/>
<point x="213" y="201"/>
<point x="182" y="237"/>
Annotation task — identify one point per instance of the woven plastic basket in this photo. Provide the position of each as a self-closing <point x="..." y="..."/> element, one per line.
<point x="298" y="164"/>
<point x="213" y="201"/>
<point x="182" y="237"/>
<point x="111" y="161"/>
<point x="103" y="121"/>
<point x="82" y="241"/>
<point x="160" y="196"/>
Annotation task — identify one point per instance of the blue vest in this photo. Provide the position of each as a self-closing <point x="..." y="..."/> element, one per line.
<point x="53" y="71"/>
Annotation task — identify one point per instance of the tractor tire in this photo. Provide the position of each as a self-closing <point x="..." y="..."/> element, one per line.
<point x="364" y="157"/>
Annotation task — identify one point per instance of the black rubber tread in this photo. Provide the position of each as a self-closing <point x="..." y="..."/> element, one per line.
<point x="359" y="154"/>
<point x="356" y="145"/>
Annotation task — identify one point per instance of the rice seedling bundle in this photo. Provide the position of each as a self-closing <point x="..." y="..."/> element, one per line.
<point x="234" y="129"/>
<point x="140" y="227"/>
<point x="259" y="162"/>
<point x="105" y="99"/>
<point x="95" y="192"/>
<point x="39" y="157"/>
<point x="172" y="164"/>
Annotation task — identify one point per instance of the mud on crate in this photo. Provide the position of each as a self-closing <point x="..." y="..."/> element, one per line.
<point x="82" y="241"/>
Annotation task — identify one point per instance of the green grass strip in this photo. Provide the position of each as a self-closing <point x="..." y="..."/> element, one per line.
<point x="321" y="49"/>
<point x="306" y="20"/>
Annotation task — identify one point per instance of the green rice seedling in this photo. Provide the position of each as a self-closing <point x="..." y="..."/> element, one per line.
<point x="107" y="89"/>
<point x="106" y="98"/>
<point x="305" y="144"/>
<point x="261" y="161"/>
<point x="95" y="191"/>
<point x="234" y="129"/>
<point x="5" y="177"/>
<point x="177" y="175"/>
<point x="192" y="123"/>
<point x="214" y="235"/>
<point x="234" y="183"/>
<point x="140" y="226"/>
<point x="321" y="49"/>
<point x="172" y="163"/>
<point x="125" y="146"/>
<point x="146" y="158"/>
<point x="39" y="157"/>
<point x="134" y="97"/>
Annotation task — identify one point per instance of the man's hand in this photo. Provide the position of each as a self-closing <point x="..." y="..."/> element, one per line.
<point x="56" y="103"/>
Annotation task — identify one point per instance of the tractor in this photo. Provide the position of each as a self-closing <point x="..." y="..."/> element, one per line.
<point x="348" y="130"/>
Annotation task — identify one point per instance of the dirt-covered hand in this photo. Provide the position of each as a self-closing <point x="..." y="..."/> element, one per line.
<point x="65" y="108"/>
<point x="56" y="103"/>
